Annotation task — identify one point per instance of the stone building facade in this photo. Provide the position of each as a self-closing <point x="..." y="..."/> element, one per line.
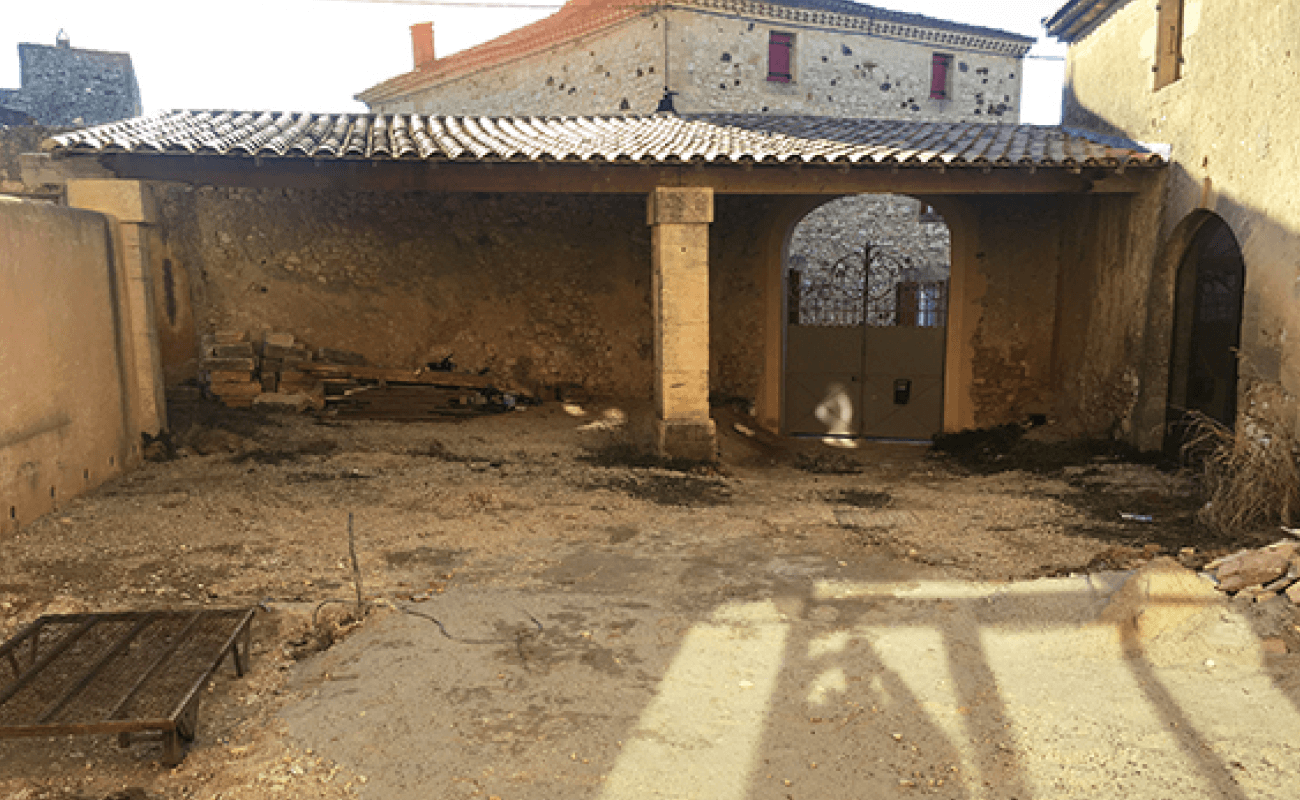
<point x="63" y="85"/>
<point x="1213" y="80"/>
<point x="815" y="57"/>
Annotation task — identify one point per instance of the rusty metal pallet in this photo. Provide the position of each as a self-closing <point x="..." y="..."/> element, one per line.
<point x="122" y="672"/>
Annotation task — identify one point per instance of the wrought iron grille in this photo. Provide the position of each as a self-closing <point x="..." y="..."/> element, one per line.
<point x="869" y="287"/>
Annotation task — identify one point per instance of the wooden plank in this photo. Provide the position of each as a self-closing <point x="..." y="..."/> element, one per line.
<point x="464" y="380"/>
<point x="229" y="364"/>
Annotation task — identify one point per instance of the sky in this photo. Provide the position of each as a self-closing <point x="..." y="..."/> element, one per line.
<point x="315" y="55"/>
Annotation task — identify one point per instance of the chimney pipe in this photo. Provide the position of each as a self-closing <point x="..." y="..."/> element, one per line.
<point x="422" y="43"/>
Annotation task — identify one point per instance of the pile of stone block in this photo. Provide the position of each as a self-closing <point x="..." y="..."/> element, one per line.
<point x="1262" y="573"/>
<point x="240" y="374"/>
<point x="229" y="368"/>
<point x="282" y="357"/>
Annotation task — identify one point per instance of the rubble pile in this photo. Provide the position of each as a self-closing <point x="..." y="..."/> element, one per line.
<point x="287" y="373"/>
<point x="1262" y="573"/>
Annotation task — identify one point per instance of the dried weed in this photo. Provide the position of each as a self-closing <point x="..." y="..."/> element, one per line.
<point x="1252" y="476"/>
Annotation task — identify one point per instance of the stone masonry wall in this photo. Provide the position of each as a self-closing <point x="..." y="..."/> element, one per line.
<point x="719" y="64"/>
<point x="736" y="266"/>
<point x="14" y="142"/>
<point x="723" y="61"/>
<point x="614" y="72"/>
<point x="546" y="290"/>
<point x="1018" y="253"/>
<point x="67" y="86"/>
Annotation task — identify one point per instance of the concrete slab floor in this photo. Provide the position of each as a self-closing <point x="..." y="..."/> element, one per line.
<point x="800" y="678"/>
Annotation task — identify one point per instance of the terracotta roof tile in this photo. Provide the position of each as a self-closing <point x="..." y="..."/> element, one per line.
<point x="660" y="138"/>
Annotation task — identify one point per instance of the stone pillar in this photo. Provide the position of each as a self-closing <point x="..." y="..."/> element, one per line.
<point x="679" y="219"/>
<point x="130" y="205"/>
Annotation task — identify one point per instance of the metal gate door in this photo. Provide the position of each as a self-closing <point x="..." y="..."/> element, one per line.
<point x="865" y="350"/>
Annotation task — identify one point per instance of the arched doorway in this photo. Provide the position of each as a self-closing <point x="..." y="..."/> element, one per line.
<point x="1207" y="330"/>
<point x="865" y="319"/>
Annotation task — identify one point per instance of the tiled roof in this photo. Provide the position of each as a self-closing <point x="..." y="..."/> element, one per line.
<point x="1072" y="20"/>
<point x="722" y="138"/>
<point x="578" y="18"/>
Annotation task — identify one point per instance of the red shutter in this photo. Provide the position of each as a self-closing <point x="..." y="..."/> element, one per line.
<point x="779" y="46"/>
<point x="939" y="76"/>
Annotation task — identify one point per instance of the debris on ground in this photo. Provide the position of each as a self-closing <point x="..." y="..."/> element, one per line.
<point x="285" y="374"/>
<point x="398" y="394"/>
<point x="1261" y="573"/>
<point x="1015" y="447"/>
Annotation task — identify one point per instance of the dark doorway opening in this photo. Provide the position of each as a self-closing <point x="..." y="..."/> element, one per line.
<point x="1207" y="331"/>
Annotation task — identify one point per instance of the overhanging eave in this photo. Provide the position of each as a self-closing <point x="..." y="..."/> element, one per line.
<point x="619" y="178"/>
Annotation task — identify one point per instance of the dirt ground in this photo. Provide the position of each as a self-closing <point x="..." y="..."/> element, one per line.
<point x="251" y="508"/>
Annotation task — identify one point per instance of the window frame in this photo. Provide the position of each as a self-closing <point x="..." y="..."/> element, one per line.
<point x="1168" y="66"/>
<point x="777" y="40"/>
<point x="940" y="75"/>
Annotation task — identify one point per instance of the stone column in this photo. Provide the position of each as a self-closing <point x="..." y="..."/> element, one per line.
<point x="130" y="205"/>
<point x="679" y="219"/>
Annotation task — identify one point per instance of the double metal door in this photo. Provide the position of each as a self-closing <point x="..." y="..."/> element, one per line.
<point x="865" y="351"/>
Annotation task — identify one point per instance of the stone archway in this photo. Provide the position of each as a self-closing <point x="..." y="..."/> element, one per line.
<point x="1207" y="328"/>
<point x="866" y="301"/>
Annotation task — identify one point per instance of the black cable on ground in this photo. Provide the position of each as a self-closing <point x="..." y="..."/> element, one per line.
<point x="362" y="607"/>
<point x="465" y="640"/>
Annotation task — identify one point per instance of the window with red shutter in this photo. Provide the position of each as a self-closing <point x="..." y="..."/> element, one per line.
<point x="780" y="48"/>
<point x="939" y="76"/>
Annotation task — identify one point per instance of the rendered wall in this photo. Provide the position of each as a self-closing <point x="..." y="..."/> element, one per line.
<point x="1230" y="120"/>
<point x="719" y="64"/>
<point x="66" y="423"/>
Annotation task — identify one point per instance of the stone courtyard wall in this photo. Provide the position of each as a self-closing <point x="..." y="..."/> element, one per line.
<point x="67" y="391"/>
<point x="547" y="290"/>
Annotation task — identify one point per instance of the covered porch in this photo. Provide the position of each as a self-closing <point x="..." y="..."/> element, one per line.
<point x="521" y="244"/>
